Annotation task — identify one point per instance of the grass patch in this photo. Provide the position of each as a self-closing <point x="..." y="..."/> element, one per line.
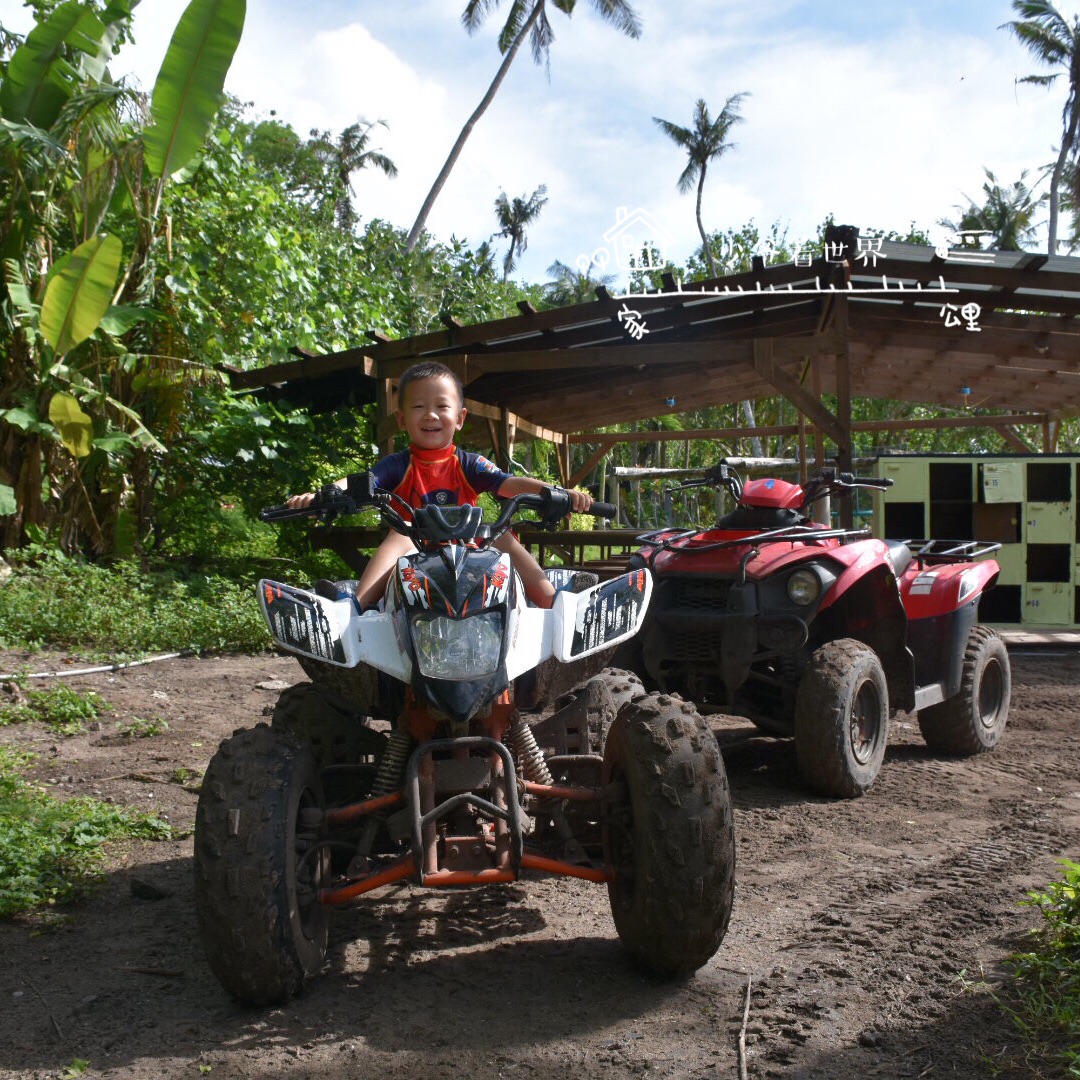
<point x="65" y="711"/>
<point x="51" y="851"/>
<point x="124" y="610"/>
<point x="138" y="728"/>
<point x="1044" y="1001"/>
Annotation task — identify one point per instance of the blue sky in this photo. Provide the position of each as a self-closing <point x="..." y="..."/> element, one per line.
<point x="881" y="113"/>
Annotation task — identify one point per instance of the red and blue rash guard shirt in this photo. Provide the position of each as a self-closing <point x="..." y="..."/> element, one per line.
<point x="446" y="477"/>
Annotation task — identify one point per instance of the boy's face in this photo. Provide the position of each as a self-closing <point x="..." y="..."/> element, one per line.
<point x="431" y="412"/>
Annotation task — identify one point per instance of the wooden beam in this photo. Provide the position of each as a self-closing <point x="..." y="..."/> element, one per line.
<point x="493" y="412"/>
<point x="592" y="461"/>
<point x="307" y="367"/>
<point x="787" y="386"/>
<point x="1011" y="436"/>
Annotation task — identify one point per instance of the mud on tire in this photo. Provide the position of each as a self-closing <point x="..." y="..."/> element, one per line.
<point x="973" y="721"/>
<point x="257" y="867"/>
<point x="331" y="726"/>
<point x="842" y="719"/>
<point x="670" y="838"/>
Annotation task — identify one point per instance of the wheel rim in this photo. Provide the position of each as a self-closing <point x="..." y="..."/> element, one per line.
<point x="621" y="832"/>
<point x="991" y="693"/>
<point x="311" y="860"/>
<point x="864" y="722"/>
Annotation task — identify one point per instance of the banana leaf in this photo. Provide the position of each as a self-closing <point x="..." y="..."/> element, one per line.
<point x="40" y="77"/>
<point x="189" y="85"/>
<point x="79" y="292"/>
<point x="75" y="427"/>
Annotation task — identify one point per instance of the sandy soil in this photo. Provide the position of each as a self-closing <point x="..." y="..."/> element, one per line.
<point x="867" y="931"/>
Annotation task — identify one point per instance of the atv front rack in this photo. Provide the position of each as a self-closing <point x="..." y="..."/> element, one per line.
<point x="502" y="857"/>
<point x="950" y="551"/>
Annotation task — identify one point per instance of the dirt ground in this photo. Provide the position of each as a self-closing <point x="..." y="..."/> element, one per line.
<point x="867" y="931"/>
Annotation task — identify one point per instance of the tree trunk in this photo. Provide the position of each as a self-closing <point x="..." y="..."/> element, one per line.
<point x="1068" y="137"/>
<point x="466" y="131"/>
<point x="701" y="227"/>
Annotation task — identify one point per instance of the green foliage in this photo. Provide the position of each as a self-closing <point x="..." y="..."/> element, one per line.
<point x="50" y="851"/>
<point x="65" y="711"/>
<point x="82" y="229"/>
<point x="125" y="611"/>
<point x="1045" y="998"/>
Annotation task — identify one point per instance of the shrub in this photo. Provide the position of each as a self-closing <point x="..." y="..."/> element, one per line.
<point x="1046" y="994"/>
<point x="124" y="610"/>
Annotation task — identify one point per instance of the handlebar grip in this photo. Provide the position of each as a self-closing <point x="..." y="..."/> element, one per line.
<point x="280" y="513"/>
<point x="877" y="481"/>
<point x="603" y="510"/>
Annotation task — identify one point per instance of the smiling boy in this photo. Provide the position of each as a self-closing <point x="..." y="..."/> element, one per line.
<point x="431" y="410"/>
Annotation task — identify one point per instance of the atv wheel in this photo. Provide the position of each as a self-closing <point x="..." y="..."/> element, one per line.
<point x="973" y="720"/>
<point x="258" y="869"/>
<point x="842" y="719"/>
<point x="669" y="838"/>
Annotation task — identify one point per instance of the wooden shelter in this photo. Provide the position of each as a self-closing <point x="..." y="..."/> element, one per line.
<point x="992" y="335"/>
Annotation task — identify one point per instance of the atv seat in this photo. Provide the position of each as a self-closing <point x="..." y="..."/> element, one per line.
<point x="899" y="555"/>
<point x="760" y="518"/>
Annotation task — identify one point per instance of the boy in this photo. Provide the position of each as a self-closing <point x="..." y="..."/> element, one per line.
<point x="431" y="410"/>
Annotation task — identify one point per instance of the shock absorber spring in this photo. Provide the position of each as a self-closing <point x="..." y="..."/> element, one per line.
<point x="522" y="740"/>
<point x="391" y="771"/>
<point x="389" y="777"/>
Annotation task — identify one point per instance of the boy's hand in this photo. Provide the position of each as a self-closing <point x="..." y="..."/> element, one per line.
<point x="580" y="501"/>
<point x="298" y="502"/>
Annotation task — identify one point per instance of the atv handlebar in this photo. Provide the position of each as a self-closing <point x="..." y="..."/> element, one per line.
<point x="331" y="501"/>
<point x="827" y="482"/>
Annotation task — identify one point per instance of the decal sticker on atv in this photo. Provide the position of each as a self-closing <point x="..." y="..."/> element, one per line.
<point x="924" y="583"/>
<point x="497" y="584"/>
<point x="298" y="622"/>
<point x="613" y="610"/>
<point x="413" y="585"/>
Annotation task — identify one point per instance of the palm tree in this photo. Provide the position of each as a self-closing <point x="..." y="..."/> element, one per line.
<point x="706" y="141"/>
<point x="515" y="215"/>
<point x="1054" y="43"/>
<point x="1007" y="214"/>
<point x="570" y="286"/>
<point x="526" y="19"/>
<point x="343" y="156"/>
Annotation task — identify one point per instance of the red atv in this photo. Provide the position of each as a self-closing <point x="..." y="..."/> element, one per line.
<point x="819" y="632"/>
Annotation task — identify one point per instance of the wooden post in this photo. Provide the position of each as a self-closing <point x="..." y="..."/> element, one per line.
<point x="385" y="424"/>
<point x="843" y="404"/>
<point x="804" y="470"/>
<point x="821" y="507"/>
<point x="508" y="430"/>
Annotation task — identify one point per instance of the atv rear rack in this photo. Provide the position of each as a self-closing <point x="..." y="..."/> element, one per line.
<point x="950" y="551"/>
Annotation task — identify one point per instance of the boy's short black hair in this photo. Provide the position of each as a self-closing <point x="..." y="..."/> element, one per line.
<point x="428" y="369"/>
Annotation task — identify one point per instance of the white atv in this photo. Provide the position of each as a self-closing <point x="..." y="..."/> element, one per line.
<point x="497" y="712"/>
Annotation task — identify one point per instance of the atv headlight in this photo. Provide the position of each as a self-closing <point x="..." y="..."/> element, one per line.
<point x="457" y="649"/>
<point x="803" y="587"/>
